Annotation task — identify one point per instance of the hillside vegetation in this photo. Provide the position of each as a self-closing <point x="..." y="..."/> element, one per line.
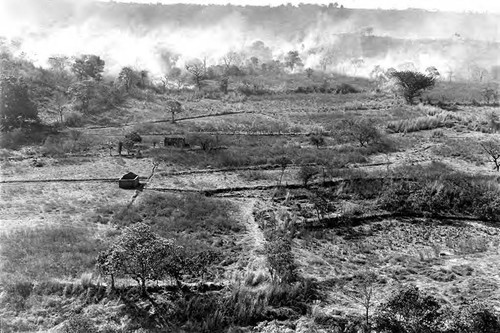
<point x="273" y="196"/>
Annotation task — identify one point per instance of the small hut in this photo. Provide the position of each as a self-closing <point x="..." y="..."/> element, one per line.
<point x="175" y="141"/>
<point x="129" y="180"/>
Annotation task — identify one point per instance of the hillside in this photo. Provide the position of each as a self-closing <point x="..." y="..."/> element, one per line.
<point x="261" y="192"/>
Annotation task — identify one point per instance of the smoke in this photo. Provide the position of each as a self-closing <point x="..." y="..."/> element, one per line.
<point x="135" y="36"/>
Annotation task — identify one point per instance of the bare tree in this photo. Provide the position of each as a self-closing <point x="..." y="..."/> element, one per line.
<point x="363" y="293"/>
<point x="61" y="100"/>
<point x="231" y="58"/>
<point x="492" y="148"/>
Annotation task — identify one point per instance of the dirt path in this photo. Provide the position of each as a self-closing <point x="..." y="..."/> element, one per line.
<point x="254" y="240"/>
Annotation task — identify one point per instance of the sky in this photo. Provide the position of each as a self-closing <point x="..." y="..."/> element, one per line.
<point x="442" y="5"/>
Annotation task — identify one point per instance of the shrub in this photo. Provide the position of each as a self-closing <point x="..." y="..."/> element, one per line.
<point x="409" y="310"/>
<point x="307" y="172"/>
<point x="317" y="140"/>
<point x="345" y="88"/>
<point x="73" y="119"/>
<point x="361" y="130"/>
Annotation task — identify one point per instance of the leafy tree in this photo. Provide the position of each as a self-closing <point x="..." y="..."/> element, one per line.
<point x="307" y="172"/>
<point x="140" y="254"/>
<point x="317" y="140"/>
<point x="292" y="60"/>
<point x="412" y="83"/>
<point x="197" y="70"/>
<point x="174" y="107"/>
<point x="16" y="107"/>
<point x="82" y="92"/>
<point x="128" y="78"/>
<point x="205" y="141"/>
<point x="88" y="66"/>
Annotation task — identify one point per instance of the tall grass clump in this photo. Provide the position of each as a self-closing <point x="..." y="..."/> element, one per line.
<point x="167" y="213"/>
<point x="444" y="119"/>
<point x="49" y="251"/>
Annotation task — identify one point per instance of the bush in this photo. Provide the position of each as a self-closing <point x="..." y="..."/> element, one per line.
<point x="412" y="83"/>
<point x="345" y="88"/>
<point x="306" y="173"/>
<point x="360" y="130"/>
<point x="411" y="310"/>
<point x="73" y="119"/>
<point x="408" y="311"/>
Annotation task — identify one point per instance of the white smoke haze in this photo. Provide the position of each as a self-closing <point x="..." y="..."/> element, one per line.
<point x="43" y="29"/>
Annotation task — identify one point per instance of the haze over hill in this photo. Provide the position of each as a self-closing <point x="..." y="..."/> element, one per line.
<point x="157" y="37"/>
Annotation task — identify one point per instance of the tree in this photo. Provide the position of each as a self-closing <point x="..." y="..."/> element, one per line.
<point x="363" y="293"/>
<point x="231" y="59"/>
<point x="317" y="140"/>
<point x="292" y="60"/>
<point x="197" y="70"/>
<point x="361" y="130"/>
<point x="492" y="148"/>
<point x="16" y="107"/>
<point x="307" y="172"/>
<point x="61" y="100"/>
<point x="59" y="63"/>
<point x="328" y="58"/>
<point x="283" y="162"/>
<point x="88" y="66"/>
<point x="412" y="83"/>
<point x="205" y="141"/>
<point x="128" y="78"/>
<point x="82" y="92"/>
<point x="140" y="254"/>
<point x="309" y="72"/>
<point x="174" y="107"/>
<point x="175" y="78"/>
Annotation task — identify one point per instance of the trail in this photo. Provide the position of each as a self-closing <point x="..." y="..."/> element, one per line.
<point x="254" y="240"/>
